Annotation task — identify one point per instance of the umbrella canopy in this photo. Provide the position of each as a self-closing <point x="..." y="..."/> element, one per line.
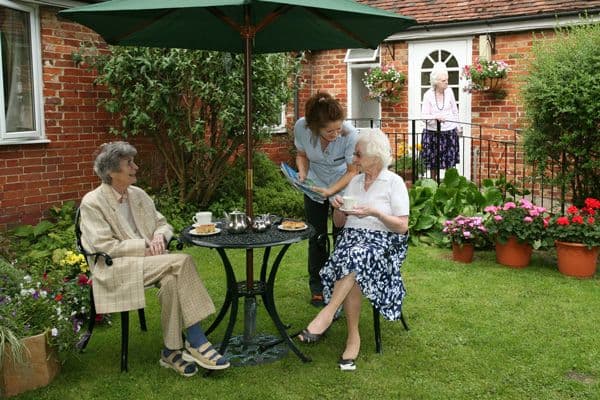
<point x="248" y="26"/>
<point x="276" y="26"/>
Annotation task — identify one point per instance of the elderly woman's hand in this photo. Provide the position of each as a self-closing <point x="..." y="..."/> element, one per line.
<point x="337" y="201"/>
<point x="157" y="245"/>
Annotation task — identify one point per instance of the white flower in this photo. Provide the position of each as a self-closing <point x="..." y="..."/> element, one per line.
<point x="44" y="294"/>
<point x="54" y="332"/>
<point x="27" y="278"/>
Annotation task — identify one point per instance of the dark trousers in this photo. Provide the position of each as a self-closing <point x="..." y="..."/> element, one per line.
<point x="317" y="215"/>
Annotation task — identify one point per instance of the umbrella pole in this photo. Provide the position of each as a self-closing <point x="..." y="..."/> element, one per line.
<point x="249" y="301"/>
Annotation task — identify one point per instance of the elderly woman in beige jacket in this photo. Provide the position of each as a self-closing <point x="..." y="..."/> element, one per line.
<point x="121" y="220"/>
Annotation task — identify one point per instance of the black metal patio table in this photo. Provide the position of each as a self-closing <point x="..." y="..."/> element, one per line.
<point x="251" y="349"/>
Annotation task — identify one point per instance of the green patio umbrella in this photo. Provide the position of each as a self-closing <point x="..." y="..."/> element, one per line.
<point x="240" y="26"/>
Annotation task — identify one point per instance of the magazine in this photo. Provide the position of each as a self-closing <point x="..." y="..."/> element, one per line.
<point x="305" y="187"/>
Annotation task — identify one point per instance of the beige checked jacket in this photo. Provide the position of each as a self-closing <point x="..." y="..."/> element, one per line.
<point x="119" y="287"/>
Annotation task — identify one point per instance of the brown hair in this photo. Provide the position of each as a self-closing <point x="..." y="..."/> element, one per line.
<point x="320" y="109"/>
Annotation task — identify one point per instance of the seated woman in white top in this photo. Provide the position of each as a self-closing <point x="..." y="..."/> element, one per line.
<point x="370" y="250"/>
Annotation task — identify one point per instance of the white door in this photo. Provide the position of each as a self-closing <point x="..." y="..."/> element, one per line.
<point x="455" y="53"/>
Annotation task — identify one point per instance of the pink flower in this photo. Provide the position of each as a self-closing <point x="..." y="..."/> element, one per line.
<point x="509" y="205"/>
<point x="498" y="217"/>
<point x="527" y="219"/>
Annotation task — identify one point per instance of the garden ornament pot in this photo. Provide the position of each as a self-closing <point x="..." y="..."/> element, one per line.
<point x="513" y="254"/>
<point x="575" y="259"/>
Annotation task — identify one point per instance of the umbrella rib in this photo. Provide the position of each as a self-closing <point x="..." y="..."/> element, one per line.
<point x="249" y="29"/>
<point x="137" y="28"/>
<point x="339" y="27"/>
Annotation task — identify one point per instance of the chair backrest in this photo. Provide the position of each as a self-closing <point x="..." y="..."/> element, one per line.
<point x="79" y="244"/>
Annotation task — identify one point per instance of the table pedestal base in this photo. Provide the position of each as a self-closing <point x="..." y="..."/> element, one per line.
<point x="258" y="351"/>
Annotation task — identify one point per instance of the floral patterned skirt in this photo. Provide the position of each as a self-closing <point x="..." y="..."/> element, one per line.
<point x="449" y="154"/>
<point x="376" y="258"/>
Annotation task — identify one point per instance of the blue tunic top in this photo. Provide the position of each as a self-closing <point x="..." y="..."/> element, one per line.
<point x="326" y="166"/>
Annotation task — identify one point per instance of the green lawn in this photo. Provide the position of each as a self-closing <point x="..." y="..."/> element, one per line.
<point x="478" y="331"/>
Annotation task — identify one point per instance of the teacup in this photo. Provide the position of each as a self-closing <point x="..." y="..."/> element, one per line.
<point x="349" y="202"/>
<point x="203" y="217"/>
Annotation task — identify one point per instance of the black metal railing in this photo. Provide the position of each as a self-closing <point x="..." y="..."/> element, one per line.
<point x="486" y="152"/>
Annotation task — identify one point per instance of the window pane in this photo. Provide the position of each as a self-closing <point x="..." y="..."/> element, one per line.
<point x="453" y="77"/>
<point x="17" y="70"/>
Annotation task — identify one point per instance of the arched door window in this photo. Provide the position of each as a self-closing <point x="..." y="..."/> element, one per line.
<point x="452" y="66"/>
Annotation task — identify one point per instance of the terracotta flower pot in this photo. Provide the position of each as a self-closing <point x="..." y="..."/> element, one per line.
<point x="575" y="259"/>
<point x="513" y="254"/>
<point x="463" y="253"/>
<point x="39" y="369"/>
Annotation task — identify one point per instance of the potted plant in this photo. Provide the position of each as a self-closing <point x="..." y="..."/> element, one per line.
<point x="41" y="312"/>
<point x="576" y="237"/>
<point x="485" y="75"/>
<point x="465" y="233"/>
<point x="517" y="229"/>
<point x="384" y="83"/>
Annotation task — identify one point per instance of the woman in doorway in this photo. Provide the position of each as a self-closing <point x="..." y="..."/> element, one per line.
<point x="440" y="151"/>
<point x="324" y="144"/>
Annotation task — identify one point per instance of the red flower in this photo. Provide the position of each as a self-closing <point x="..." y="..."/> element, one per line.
<point x="562" y="221"/>
<point x="572" y="210"/>
<point x="45" y="276"/>
<point x="58" y="297"/>
<point x="591" y="220"/>
<point x="578" y="219"/>
<point x="592" y="203"/>
<point x="82" y="280"/>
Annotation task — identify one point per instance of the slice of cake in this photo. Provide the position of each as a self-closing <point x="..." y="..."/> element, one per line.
<point x="293" y="224"/>
<point x="205" y="228"/>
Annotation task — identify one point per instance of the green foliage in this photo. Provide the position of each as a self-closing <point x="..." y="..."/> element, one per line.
<point x="561" y="101"/>
<point x="191" y="103"/>
<point x="272" y="192"/>
<point x="431" y="205"/>
<point x="35" y="244"/>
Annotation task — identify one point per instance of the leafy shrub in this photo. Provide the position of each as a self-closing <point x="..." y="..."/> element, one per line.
<point x="561" y="102"/>
<point x="272" y="194"/>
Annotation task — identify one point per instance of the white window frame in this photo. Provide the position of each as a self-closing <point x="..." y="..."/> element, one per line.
<point x="371" y="57"/>
<point x="37" y="135"/>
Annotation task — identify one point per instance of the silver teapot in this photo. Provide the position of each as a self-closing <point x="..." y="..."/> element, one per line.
<point x="236" y="221"/>
<point x="267" y="219"/>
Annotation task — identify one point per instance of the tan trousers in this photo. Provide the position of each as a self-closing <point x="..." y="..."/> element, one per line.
<point x="183" y="298"/>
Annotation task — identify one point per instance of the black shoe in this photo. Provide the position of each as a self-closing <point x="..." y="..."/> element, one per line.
<point x="317" y="300"/>
<point x="347" y="364"/>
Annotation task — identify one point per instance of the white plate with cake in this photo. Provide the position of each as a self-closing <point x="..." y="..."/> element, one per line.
<point x="292" y="226"/>
<point x="204" y="230"/>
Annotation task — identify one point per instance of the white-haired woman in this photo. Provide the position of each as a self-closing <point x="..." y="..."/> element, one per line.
<point x="440" y="151"/>
<point x="370" y="250"/>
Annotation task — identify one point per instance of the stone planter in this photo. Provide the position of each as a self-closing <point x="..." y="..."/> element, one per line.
<point x="40" y="368"/>
<point x="575" y="259"/>
<point x="513" y="254"/>
<point x="463" y="253"/>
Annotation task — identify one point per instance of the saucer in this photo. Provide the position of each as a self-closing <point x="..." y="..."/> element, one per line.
<point x="281" y="228"/>
<point x="194" y="233"/>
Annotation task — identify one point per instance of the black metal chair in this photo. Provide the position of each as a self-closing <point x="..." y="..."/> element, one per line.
<point x="83" y="342"/>
<point x="324" y="240"/>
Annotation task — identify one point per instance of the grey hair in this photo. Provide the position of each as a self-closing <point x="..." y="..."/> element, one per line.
<point x="439" y="70"/>
<point x="109" y="158"/>
<point x="376" y="144"/>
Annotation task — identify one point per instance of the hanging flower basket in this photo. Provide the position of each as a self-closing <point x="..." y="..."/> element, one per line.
<point x="486" y="76"/>
<point x="384" y="84"/>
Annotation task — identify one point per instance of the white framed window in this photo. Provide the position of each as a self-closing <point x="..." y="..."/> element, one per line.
<point x="21" y="118"/>
<point x="361" y="55"/>
<point x="280" y="127"/>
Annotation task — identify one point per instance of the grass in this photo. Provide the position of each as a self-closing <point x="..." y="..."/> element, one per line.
<point x="478" y="331"/>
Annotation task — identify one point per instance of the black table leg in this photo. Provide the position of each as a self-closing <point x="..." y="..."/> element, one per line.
<point x="231" y="300"/>
<point x="269" y="302"/>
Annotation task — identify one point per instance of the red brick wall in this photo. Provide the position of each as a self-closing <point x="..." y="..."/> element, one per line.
<point x="34" y="177"/>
